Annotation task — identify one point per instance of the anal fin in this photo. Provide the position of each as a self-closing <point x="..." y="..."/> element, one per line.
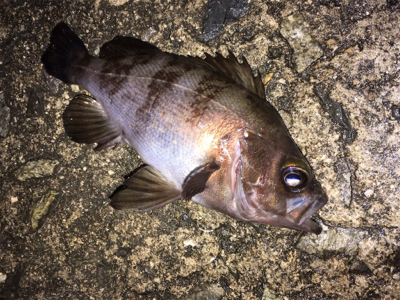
<point x="146" y="190"/>
<point x="85" y="121"/>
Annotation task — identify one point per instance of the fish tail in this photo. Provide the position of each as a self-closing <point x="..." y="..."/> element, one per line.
<point x="65" y="51"/>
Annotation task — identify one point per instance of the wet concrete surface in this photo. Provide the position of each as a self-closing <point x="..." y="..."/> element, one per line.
<point x="331" y="68"/>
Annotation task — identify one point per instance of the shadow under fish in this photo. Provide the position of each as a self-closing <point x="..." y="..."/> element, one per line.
<point x="202" y="126"/>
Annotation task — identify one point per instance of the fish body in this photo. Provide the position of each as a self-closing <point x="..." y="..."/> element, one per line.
<point x="202" y="126"/>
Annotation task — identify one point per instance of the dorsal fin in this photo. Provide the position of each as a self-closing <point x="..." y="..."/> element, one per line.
<point x="122" y="46"/>
<point x="241" y="73"/>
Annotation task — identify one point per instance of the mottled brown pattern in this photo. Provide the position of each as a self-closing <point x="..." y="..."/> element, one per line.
<point x="161" y="83"/>
<point x="207" y="90"/>
<point x="209" y="87"/>
<point x="110" y="75"/>
<point x="113" y="83"/>
<point x="198" y="108"/>
<point x="144" y="59"/>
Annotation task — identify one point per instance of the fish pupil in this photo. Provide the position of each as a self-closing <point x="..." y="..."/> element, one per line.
<point x="293" y="179"/>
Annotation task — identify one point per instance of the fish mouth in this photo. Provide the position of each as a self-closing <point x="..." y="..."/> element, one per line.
<point x="300" y="213"/>
<point x="311" y="226"/>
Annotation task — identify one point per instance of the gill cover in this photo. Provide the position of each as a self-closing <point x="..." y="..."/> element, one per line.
<point x="249" y="173"/>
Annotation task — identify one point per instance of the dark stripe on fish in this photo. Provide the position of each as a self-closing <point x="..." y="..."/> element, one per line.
<point x="163" y="82"/>
<point x="208" y="89"/>
<point x="124" y="69"/>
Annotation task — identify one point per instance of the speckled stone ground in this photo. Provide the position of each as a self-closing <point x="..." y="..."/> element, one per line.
<point x="332" y="70"/>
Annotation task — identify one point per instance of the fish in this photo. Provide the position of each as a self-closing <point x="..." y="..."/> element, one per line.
<point x="202" y="126"/>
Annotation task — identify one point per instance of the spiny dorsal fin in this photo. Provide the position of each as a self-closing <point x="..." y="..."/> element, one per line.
<point x="85" y="121"/>
<point x="195" y="182"/>
<point x="241" y="73"/>
<point x="122" y="46"/>
<point x="146" y="190"/>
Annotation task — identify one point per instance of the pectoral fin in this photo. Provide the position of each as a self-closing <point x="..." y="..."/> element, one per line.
<point x="146" y="190"/>
<point x="196" y="181"/>
<point x="85" y="121"/>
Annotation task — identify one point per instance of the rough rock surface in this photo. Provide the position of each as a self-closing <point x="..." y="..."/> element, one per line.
<point x="342" y="108"/>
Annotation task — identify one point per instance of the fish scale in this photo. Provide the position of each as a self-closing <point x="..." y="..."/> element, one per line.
<point x="202" y="126"/>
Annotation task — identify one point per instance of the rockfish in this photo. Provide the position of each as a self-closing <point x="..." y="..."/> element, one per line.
<point x="202" y="127"/>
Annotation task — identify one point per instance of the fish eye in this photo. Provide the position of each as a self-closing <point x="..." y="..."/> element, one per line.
<point x="295" y="175"/>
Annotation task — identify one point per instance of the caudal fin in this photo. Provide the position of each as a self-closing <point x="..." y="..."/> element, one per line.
<point x="65" y="51"/>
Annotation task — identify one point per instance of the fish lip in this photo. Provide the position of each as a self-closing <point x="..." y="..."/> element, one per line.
<point x="302" y="213"/>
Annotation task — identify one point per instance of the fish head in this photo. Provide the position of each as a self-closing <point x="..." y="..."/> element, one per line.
<point x="273" y="184"/>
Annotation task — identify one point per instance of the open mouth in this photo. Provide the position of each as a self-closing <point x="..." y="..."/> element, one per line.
<point x="300" y="213"/>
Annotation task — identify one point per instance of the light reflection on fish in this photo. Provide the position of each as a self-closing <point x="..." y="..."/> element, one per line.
<point x="202" y="126"/>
